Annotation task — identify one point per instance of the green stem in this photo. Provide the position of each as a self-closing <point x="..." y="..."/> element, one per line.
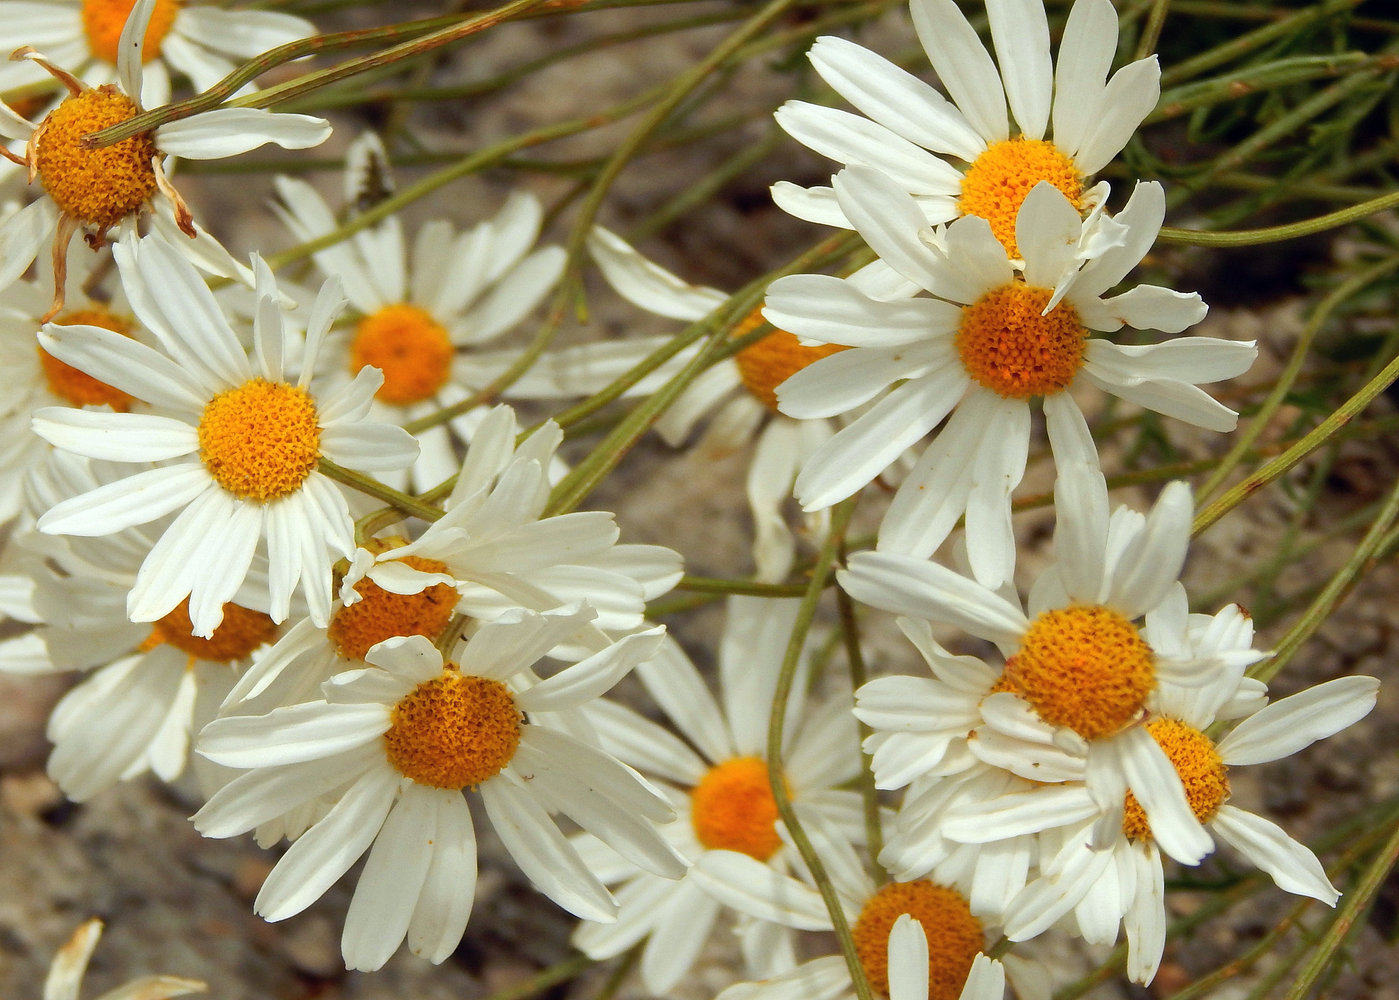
<point x="1275" y="234"/>
<point x="869" y="794"/>
<point x="372" y="487"/>
<point x="751" y="588"/>
<point x="1284" y="27"/>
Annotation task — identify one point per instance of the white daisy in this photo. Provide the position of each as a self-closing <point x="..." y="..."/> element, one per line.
<point x="202" y="41"/>
<point x="1124" y="879"/>
<point x="98" y="189"/>
<point x="65" y="978"/>
<point x="993" y="337"/>
<point x="718" y="785"/>
<point x="418" y="317"/>
<point x="240" y="446"/>
<point x="1077" y="668"/>
<point x="398" y="747"/>
<point x="911" y="127"/>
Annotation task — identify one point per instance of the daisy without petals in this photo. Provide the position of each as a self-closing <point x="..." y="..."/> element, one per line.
<point x="398" y="745"/>
<point x="1064" y="123"/>
<point x="202" y="41"/>
<point x="98" y="189"/>
<point x="65" y="978"/>
<point x="239" y="445"/>
<point x="992" y="337"/>
<point x="1078" y="668"/>
<point x="716" y="776"/>
<point x="1126" y="876"/>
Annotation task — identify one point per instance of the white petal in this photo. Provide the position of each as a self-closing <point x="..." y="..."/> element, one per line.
<point x="963" y="65"/>
<point x="1289" y="725"/>
<point x="212" y="135"/>
<point x="1020" y="33"/>
<point x="1085" y="56"/>
<point x="648" y="285"/>
<point x="386" y="894"/>
<point x="1293" y="867"/>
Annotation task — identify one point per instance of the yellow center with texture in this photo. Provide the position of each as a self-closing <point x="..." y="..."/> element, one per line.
<point x="78" y="387"/>
<point x="241" y="631"/>
<point x="453" y="731"/>
<point x="733" y="809"/>
<point x="1085" y="667"/>
<point x="1008" y="347"/>
<point x="769" y="361"/>
<point x="954" y="936"/>
<point x="260" y="440"/>
<point x="995" y="185"/>
<point x="411" y="348"/>
<point x="103" y="21"/>
<point x="101" y="186"/>
<point x="1201" y="771"/>
<point x="380" y="614"/>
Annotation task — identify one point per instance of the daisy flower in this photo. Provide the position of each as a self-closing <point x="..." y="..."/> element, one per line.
<point x="715" y="775"/>
<point x="1126" y="876"/>
<point x="239" y="445"/>
<point x="65" y="978"/>
<point x="202" y="41"/>
<point x="1078" y="668"/>
<point x="911" y="130"/>
<point x="399" y="746"/>
<point x="993" y="337"/>
<point x="99" y="189"/>
<point x="419" y="316"/>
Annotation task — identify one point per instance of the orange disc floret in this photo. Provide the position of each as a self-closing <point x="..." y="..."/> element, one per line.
<point x="411" y="348"/>
<point x="453" y="731"/>
<point x="733" y="809"/>
<point x="995" y="185"/>
<point x="768" y="362"/>
<point x="241" y="631"/>
<point x="954" y="936"/>
<point x="261" y="440"/>
<point x="380" y="615"/>
<point x="78" y="387"/>
<point x="103" y="21"/>
<point x="101" y="186"/>
<point x="1202" y="771"/>
<point x="1007" y="346"/>
<point x="1085" y="667"/>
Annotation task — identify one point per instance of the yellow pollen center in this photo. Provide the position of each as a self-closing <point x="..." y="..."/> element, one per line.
<point x="78" y="387"/>
<point x="766" y="363"/>
<point x="411" y="348"/>
<point x="103" y="21"/>
<point x="1008" y="347"/>
<point x="261" y="440"/>
<point x="380" y="615"/>
<point x="1201" y="771"/>
<point x="954" y="935"/>
<point x="100" y="186"/>
<point x="997" y="182"/>
<point x="453" y="731"/>
<point x="1085" y="667"/>
<point x="733" y="809"/>
<point x="241" y="631"/>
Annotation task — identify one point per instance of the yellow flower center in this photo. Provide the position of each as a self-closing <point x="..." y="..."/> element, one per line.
<point x="453" y="731"/>
<point x="380" y="615"/>
<point x="1201" y="771"/>
<point x="733" y="809"/>
<point x="1085" y="667"/>
<point x="241" y="631"/>
<point x="768" y="362"/>
<point x="78" y="387"/>
<point x="103" y="21"/>
<point x="261" y="440"/>
<point x="411" y="348"/>
<point x="997" y="182"/>
<point x="954" y="935"/>
<point x="97" y="186"/>
<point x="1008" y="347"/>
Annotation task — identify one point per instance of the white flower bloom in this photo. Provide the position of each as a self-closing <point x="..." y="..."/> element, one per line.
<point x="99" y="189"/>
<point x="720" y="791"/>
<point x="911" y="130"/>
<point x="202" y="41"/>
<point x="239" y="446"/>
<point x="65" y="978"/>
<point x="397" y="748"/>
<point x="421" y="317"/>
<point x="994" y="336"/>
